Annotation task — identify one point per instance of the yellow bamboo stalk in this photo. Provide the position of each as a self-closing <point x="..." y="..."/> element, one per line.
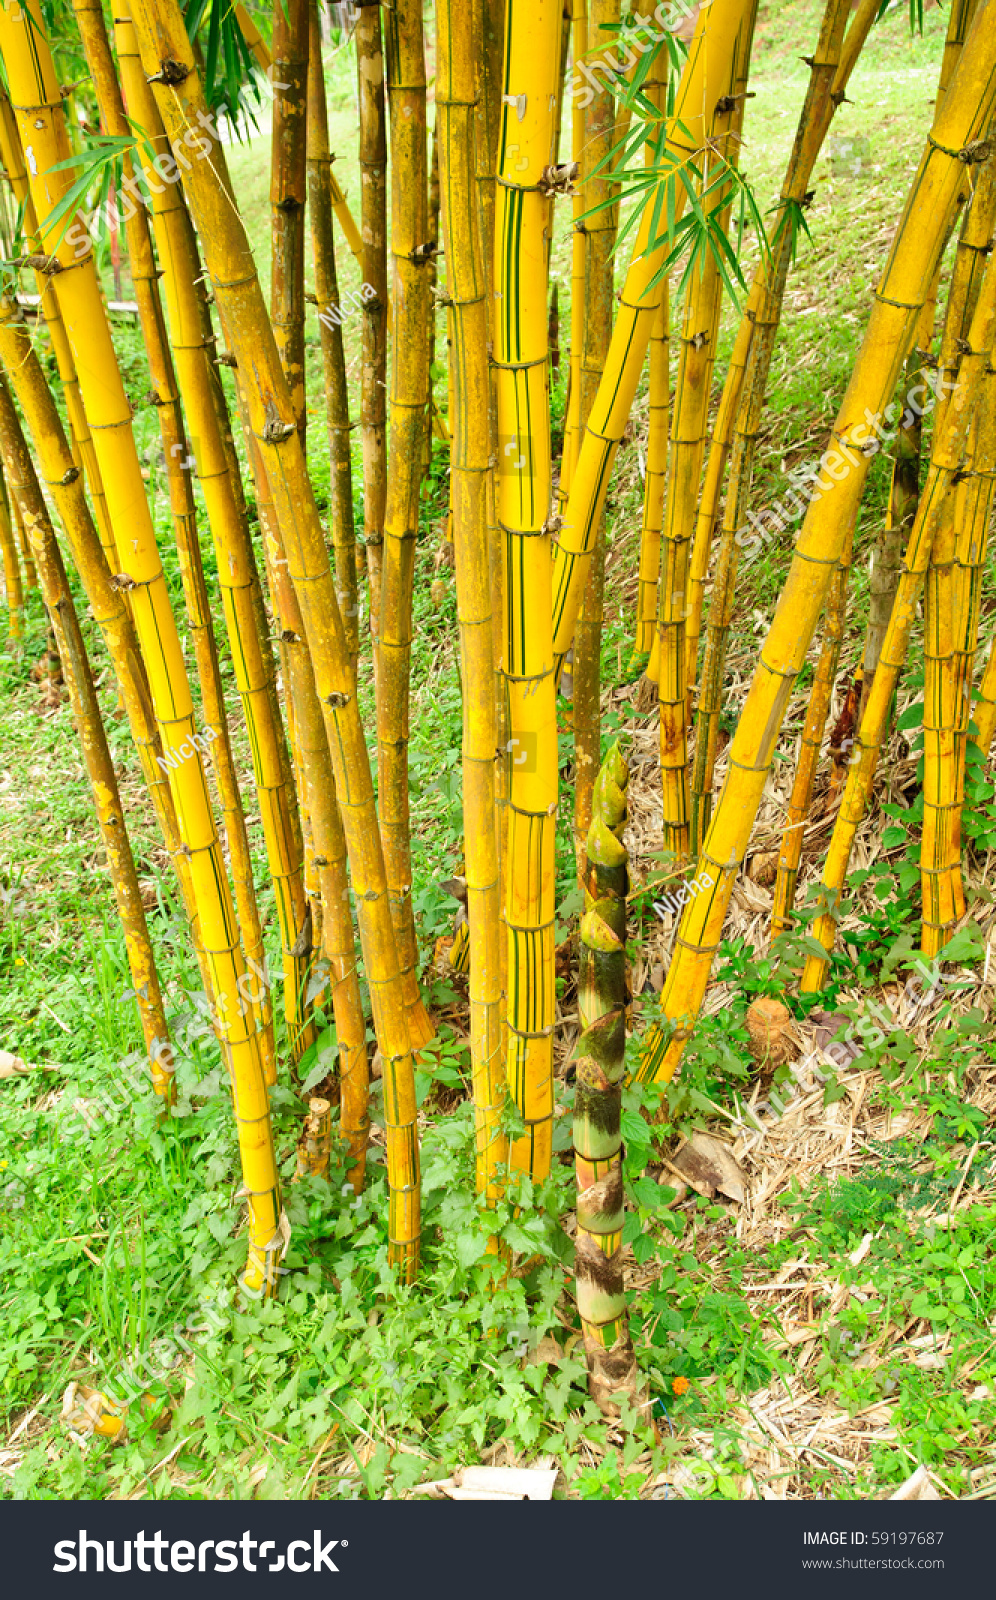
<point x="288" y="189"/>
<point x="889" y="335"/>
<point x="405" y="56"/>
<point x="13" y="588"/>
<point x="237" y="576"/>
<point x="718" y="38"/>
<point x="93" y="35"/>
<point x="984" y="710"/>
<point x="654" y="483"/>
<point x="38" y="107"/>
<point x="579" y="204"/>
<point x="321" y="203"/>
<point x="935" y="509"/>
<point x="525" y="150"/>
<point x="58" y="600"/>
<point x="458" y="45"/>
<point x="818" y="113"/>
<point x="162" y="39"/>
<point x="64" y="484"/>
<point x="83" y="449"/>
<point x="373" y="215"/>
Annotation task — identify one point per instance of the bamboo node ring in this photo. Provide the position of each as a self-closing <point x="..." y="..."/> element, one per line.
<point x="170" y="72"/>
<point x="337" y="700"/>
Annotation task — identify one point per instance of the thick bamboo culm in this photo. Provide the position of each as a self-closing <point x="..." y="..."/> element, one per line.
<point x="813" y="122"/>
<point x="458" y="46"/>
<point x="706" y="76"/>
<point x="39" y="109"/>
<point x="528" y="125"/>
<point x="373" y="219"/>
<point x="13" y="586"/>
<point x="598" y="299"/>
<point x="288" y="192"/>
<point x="984" y="709"/>
<point x="320" y="206"/>
<point x="237" y="577"/>
<point x="176" y="457"/>
<point x="891" y="329"/>
<point x="84" y="453"/>
<point x="331" y="910"/>
<point x="600" y="1055"/>
<point x="935" y="509"/>
<point x="64" y="483"/>
<point x="404" y="49"/>
<point x="228" y="257"/>
<point x="689" y="419"/>
<point x="809" y="139"/>
<point x="58" y="600"/>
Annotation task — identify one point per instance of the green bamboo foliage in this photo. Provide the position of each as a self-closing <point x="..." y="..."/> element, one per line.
<point x="892" y="327"/>
<point x="333" y="356"/>
<point x="600" y="1057"/>
<point x="525" y="152"/>
<point x="600" y="136"/>
<point x="58" y="599"/>
<point x="288" y="191"/>
<point x="409" y="397"/>
<point x="457" y="47"/>
<point x="373" y="219"/>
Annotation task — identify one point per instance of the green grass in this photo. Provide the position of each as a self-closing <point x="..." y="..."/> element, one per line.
<point x="120" y="1235"/>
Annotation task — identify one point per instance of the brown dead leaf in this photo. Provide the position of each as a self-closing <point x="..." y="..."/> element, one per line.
<point x="12" y="1066"/>
<point x="709" y="1166"/>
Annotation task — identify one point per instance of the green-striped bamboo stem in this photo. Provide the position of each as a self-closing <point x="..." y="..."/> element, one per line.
<point x="600" y="1055"/>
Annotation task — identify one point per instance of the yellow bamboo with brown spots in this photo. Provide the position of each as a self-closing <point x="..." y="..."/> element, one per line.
<point x="228" y="256"/>
<point x="288" y="192"/>
<point x="889" y="335"/>
<point x="404" y="50"/>
<point x="39" y="110"/>
<point x="373" y="222"/>
<point x="58" y="600"/>
<point x="458" y="45"/>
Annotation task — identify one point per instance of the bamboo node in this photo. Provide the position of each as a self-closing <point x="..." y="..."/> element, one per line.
<point x="121" y="580"/>
<point x="224" y="358"/>
<point x="337" y="701"/>
<point x="423" y="253"/>
<point x="170" y="72"/>
<point x="69" y="476"/>
<point x="558" y="180"/>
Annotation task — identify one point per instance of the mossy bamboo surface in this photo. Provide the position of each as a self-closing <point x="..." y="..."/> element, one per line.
<point x="13" y="587"/>
<point x="809" y="139"/>
<point x="58" y="600"/>
<point x="288" y="192"/>
<point x="404" y="48"/>
<point x="600" y="137"/>
<point x="458" y="46"/>
<point x="705" y="76"/>
<point x="889" y="335"/>
<point x="528" y="125"/>
<point x="689" y="419"/>
<point x="228" y="256"/>
<point x="600" y="1055"/>
<point x="320" y="206"/>
<point x="373" y="219"/>
<point x="93" y="34"/>
<point x="39" y="110"/>
<point x="330" y="902"/>
<point x="84" y="453"/>
<point x="237" y="577"/>
<point x="64" y="484"/>
<point x="934" y="511"/>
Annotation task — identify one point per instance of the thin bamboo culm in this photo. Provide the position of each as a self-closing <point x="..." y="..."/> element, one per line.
<point x="373" y="219"/>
